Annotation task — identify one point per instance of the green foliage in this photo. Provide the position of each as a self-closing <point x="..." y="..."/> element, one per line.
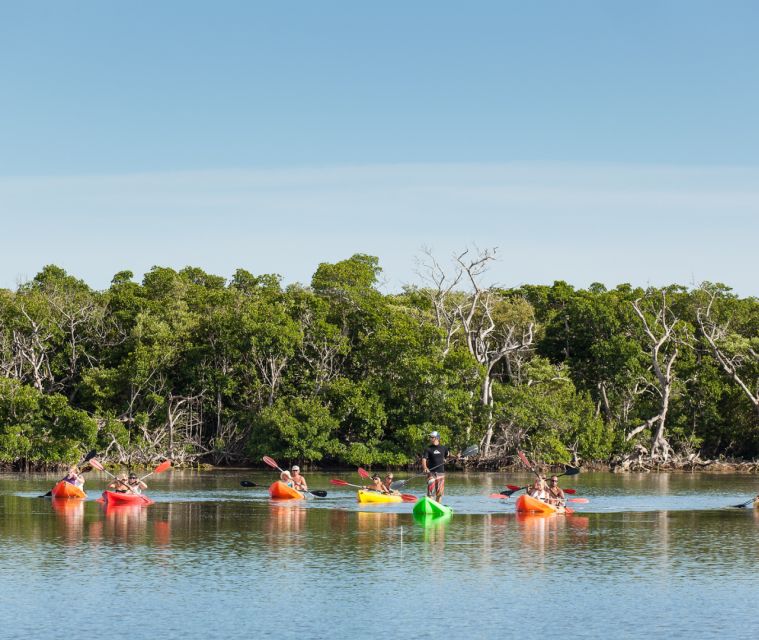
<point x="339" y="372"/>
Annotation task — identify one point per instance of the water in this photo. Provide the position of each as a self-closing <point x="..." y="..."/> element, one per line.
<point x="648" y="556"/>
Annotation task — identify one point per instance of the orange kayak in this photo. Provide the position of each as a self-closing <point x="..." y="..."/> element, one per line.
<point x="67" y="490"/>
<point x="114" y="497"/>
<point x="280" y="491"/>
<point x="528" y="504"/>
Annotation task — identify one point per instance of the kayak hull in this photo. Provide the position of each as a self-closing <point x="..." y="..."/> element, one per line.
<point x="115" y="498"/>
<point x="280" y="491"/>
<point x="376" y="497"/>
<point x="429" y="508"/>
<point x="67" y="490"/>
<point x="528" y="504"/>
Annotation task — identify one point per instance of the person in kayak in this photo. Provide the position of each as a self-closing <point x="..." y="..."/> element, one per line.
<point x="556" y="495"/>
<point x="538" y="490"/>
<point x="134" y="484"/>
<point x="299" y="482"/>
<point x="377" y="485"/>
<point x="119" y="484"/>
<point x="74" y="477"/>
<point x="433" y="464"/>
<point x="387" y="482"/>
<point x="287" y="479"/>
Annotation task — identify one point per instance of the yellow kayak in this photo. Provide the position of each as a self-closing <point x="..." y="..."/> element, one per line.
<point x="376" y="496"/>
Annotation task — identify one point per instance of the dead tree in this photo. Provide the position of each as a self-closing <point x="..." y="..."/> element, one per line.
<point x="733" y="362"/>
<point x="660" y="327"/>
<point x="490" y="338"/>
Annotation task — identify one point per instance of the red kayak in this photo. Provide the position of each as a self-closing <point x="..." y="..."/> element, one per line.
<point x="280" y="491"/>
<point x="114" y="498"/>
<point x="67" y="490"/>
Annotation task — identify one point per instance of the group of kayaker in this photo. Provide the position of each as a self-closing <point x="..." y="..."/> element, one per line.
<point x="551" y="493"/>
<point x="127" y="484"/>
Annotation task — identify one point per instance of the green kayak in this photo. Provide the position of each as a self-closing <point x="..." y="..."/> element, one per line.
<point x="430" y="508"/>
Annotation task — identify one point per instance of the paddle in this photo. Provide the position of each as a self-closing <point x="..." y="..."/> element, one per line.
<point x="469" y="451"/>
<point x="743" y="505"/>
<point x="248" y="483"/>
<point x="273" y="463"/>
<point x="159" y="469"/>
<point x="87" y="458"/>
<point x="406" y="497"/>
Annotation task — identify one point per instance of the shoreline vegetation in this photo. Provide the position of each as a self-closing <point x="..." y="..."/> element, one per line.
<point x="206" y="370"/>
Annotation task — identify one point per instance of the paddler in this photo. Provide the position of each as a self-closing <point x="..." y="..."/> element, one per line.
<point x="556" y="495"/>
<point x="135" y="484"/>
<point x="119" y="485"/>
<point x="538" y="490"/>
<point x="74" y="477"/>
<point x="377" y="484"/>
<point x="433" y="464"/>
<point x="299" y="482"/>
<point x="387" y="482"/>
<point x="286" y="478"/>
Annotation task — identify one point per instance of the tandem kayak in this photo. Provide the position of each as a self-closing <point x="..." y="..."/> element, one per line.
<point x="115" y="497"/>
<point x="376" y="496"/>
<point x="429" y="508"/>
<point x="528" y="504"/>
<point x="67" y="490"/>
<point x="280" y="491"/>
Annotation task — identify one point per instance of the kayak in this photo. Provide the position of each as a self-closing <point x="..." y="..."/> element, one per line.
<point x="114" y="497"/>
<point x="67" y="490"/>
<point x="376" y="496"/>
<point x="430" y="508"/>
<point x="528" y="504"/>
<point x="280" y="491"/>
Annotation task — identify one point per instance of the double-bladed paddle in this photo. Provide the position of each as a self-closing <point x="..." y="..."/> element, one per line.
<point x="86" y="458"/>
<point x="273" y="463"/>
<point x="501" y="496"/>
<point x="406" y="497"/>
<point x="514" y="487"/>
<point x="248" y="483"/>
<point x="743" y="505"/>
<point x="469" y="451"/>
<point x="159" y="469"/>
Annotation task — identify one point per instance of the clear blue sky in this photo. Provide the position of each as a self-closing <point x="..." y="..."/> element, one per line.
<point x="590" y="141"/>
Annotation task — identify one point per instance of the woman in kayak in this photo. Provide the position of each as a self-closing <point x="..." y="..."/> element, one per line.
<point x="119" y="484"/>
<point x="387" y="482"/>
<point x="299" y="482"/>
<point x="538" y="490"/>
<point x="556" y="495"/>
<point x="74" y="477"/>
<point x="286" y="478"/>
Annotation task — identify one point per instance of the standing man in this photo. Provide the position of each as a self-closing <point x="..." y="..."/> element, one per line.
<point x="433" y="464"/>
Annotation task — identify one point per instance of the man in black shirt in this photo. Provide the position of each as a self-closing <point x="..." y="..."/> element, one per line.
<point x="433" y="464"/>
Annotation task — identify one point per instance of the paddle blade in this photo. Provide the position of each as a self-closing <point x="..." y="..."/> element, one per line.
<point x="339" y="483"/>
<point x="364" y="473"/>
<point x="524" y="460"/>
<point x="90" y="456"/>
<point x="398" y="484"/>
<point x="473" y="450"/>
<point x="513" y="487"/>
<point x="162" y="467"/>
<point x="319" y="493"/>
<point x="579" y="500"/>
<point x="248" y="483"/>
<point x="571" y="471"/>
<point x="407" y="497"/>
<point x="499" y="496"/>
<point x="271" y="462"/>
<point x="96" y="463"/>
<point x="571" y="492"/>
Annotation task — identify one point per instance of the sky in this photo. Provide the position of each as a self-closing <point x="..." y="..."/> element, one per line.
<point x="589" y="141"/>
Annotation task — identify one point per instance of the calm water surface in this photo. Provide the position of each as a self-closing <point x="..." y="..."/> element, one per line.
<point x="648" y="556"/>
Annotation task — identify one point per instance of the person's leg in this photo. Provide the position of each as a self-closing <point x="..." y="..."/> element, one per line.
<point x="430" y="486"/>
<point x="440" y="488"/>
